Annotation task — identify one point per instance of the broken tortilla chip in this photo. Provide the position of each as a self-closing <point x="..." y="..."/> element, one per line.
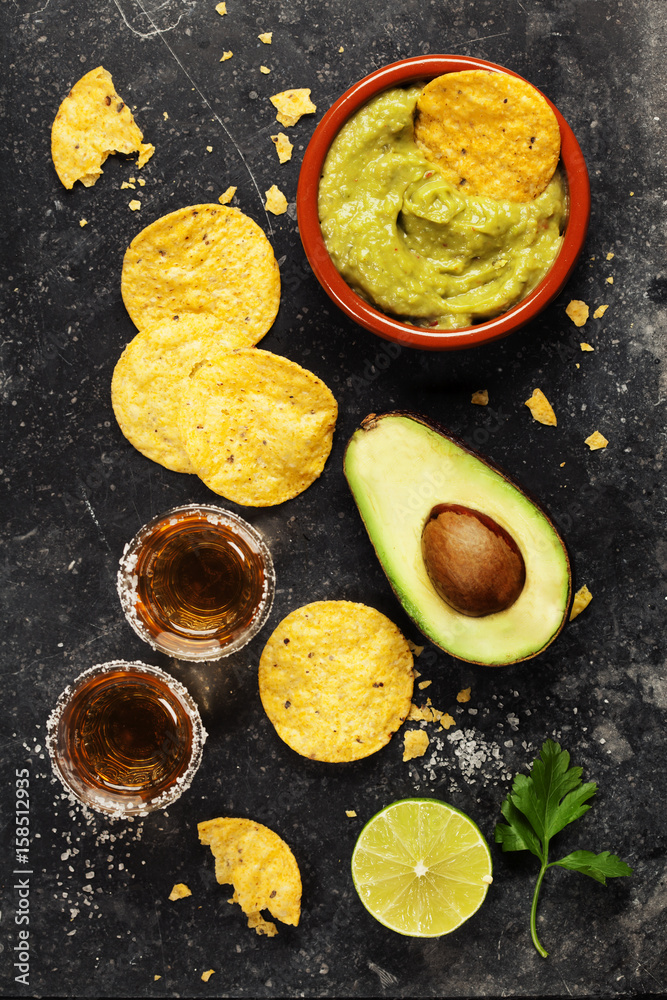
<point x="599" y="312"/>
<point x="577" y="311"/>
<point x="276" y="201"/>
<point x="283" y="147"/>
<point x="92" y="123"/>
<point x="415" y="743"/>
<point x="582" y="599"/>
<point x="541" y="408"/>
<point x="292" y="104"/>
<point x="180" y="891"/>
<point x="260" y="866"/>
<point x="595" y="441"/>
<point x="227" y="195"/>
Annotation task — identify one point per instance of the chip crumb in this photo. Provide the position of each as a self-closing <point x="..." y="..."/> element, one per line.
<point x="155" y="978"/>
<point x="221" y="9"/>
<point x="142" y="182"/>
<point x="463" y="695"/>
<point x="447" y="721"/>
<point x="488" y="879"/>
<point x="134" y="205"/>
<point x="266" y="37"/>
<point x="351" y="813"/>
<point x="481" y="397"/>
<point x="227" y="195"/>
<point x="562" y="464"/>
<point x="541" y="408"/>
<point x="582" y="599"/>
<point x="416" y="650"/>
<point x="424" y="684"/>
<point x="577" y="311"/>
<point x="127" y="184"/>
<point x="83" y="222"/>
<point x="599" y="312"/>
<point x="207" y="975"/>
<point x="610" y="281"/>
<point x="226" y="55"/>
<point x="586" y="347"/>
<point x="596" y="441"/>
<point x="209" y="149"/>
<point x="165" y="115"/>
<point x="283" y="147"/>
<point x="292" y="104"/>
<point x="341" y="49"/>
<point x="417" y="714"/>
<point x="416" y="744"/>
<point x="276" y="201"/>
<point x="610" y="256"/>
<point x="180" y="891"/>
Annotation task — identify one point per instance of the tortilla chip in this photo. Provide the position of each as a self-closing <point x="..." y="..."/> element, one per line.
<point x="335" y="679"/>
<point x="577" y="311"/>
<point x="266" y="37"/>
<point x="150" y="378"/>
<point x="283" y="147"/>
<point x="292" y="104"/>
<point x="415" y="743"/>
<point x="581" y="600"/>
<point x="92" y="123"/>
<point x="260" y="866"/>
<point x="227" y="195"/>
<point x="492" y="132"/>
<point x="257" y="427"/>
<point x="541" y="408"/>
<point x="595" y="441"/>
<point x="481" y="397"/>
<point x="207" y="260"/>
<point x="180" y="891"/>
<point x="276" y="201"/>
<point x="221" y="9"/>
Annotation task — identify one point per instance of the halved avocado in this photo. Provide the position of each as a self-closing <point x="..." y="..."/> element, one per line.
<point x="400" y="466"/>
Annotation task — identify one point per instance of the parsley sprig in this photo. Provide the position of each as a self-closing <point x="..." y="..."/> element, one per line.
<point x="538" y="807"/>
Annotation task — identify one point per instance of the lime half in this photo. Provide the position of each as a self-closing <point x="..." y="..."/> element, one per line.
<point x="421" y="867"/>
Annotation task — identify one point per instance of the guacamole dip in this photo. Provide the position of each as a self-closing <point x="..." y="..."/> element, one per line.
<point x="417" y="247"/>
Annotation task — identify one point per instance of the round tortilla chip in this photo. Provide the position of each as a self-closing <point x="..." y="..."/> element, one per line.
<point x="257" y="427"/>
<point x="336" y="680"/>
<point x="260" y="866"/>
<point x="148" y="381"/>
<point x="494" y="133"/>
<point x="92" y="122"/>
<point x="203" y="260"/>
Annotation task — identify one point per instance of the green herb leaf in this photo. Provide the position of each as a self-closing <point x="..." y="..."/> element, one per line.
<point x="538" y="807"/>
<point x="598" y="866"/>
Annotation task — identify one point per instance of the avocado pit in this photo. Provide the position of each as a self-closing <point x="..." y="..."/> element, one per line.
<point x="474" y="564"/>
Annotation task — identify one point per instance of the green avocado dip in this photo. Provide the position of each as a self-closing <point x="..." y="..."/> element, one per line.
<point x="415" y="246"/>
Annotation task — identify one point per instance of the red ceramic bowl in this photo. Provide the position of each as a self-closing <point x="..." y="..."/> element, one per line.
<point x="400" y="74"/>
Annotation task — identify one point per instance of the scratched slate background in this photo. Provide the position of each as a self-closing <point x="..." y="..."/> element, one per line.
<point x="75" y="492"/>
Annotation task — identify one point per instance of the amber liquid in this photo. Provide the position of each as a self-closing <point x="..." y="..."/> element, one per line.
<point x="126" y="733"/>
<point x="198" y="580"/>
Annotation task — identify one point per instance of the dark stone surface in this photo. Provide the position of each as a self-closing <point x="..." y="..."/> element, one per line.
<point x="76" y="491"/>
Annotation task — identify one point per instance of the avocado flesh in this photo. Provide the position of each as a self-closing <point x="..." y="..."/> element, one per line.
<point x="398" y="467"/>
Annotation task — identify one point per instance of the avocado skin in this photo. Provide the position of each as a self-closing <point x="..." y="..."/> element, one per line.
<point x="412" y="608"/>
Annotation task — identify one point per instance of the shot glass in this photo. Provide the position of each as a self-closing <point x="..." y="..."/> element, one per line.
<point x="125" y="738"/>
<point x="197" y="582"/>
